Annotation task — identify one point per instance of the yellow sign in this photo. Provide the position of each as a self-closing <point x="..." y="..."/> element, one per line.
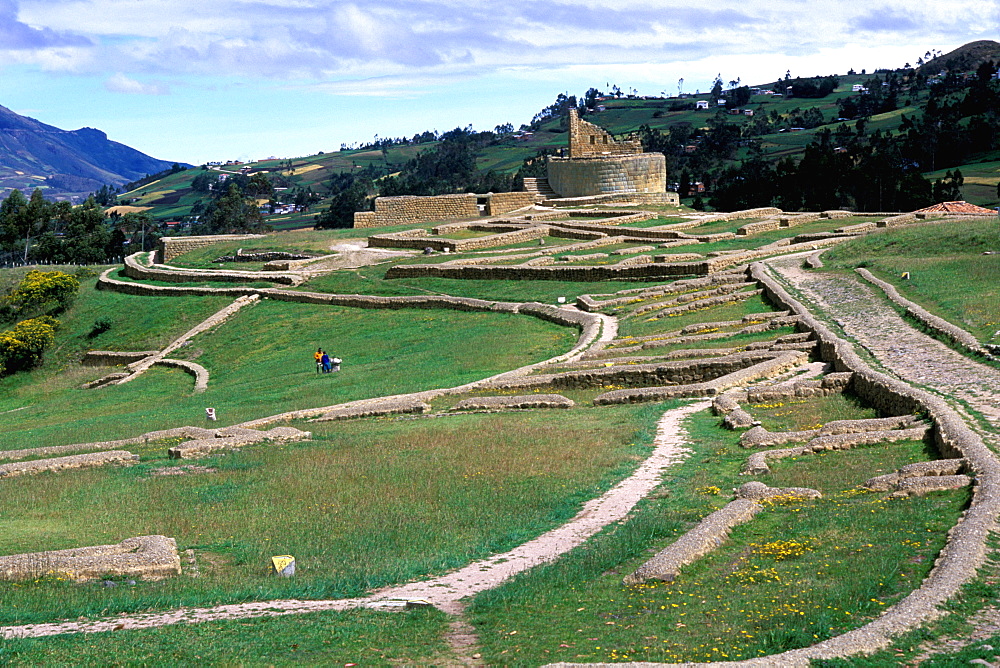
<point x="282" y="562"/>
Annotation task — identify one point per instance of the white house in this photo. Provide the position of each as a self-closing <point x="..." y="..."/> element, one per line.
<point x="701" y="104"/>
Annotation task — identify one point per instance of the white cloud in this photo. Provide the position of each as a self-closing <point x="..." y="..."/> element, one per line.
<point x="324" y="41"/>
<point x="119" y="83"/>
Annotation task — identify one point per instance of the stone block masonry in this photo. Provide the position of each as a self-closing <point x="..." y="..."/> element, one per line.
<point x="524" y="401"/>
<point x="589" y="140"/>
<point x="583" y="177"/>
<point x="119" y="457"/>
<point x="498" y="204"/>
<point x="412" y="209"/>
<point x="167" y="248"/>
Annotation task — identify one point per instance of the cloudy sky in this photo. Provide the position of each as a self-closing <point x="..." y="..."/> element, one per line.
<point x="199" y="80"/>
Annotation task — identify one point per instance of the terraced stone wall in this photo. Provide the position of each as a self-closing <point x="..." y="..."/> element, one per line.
<point x="966" y="548"/>
<point x="457" y="245"/>
<point x="576" y="273"/>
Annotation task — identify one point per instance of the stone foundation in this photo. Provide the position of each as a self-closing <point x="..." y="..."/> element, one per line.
<point x="148" y="557"/>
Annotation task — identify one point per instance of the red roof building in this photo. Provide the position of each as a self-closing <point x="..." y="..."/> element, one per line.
<point x="961" y="207"/>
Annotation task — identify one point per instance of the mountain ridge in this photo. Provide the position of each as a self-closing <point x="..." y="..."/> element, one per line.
<point x="66" y="164"/>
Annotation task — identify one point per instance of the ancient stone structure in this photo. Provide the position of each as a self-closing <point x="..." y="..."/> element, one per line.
<point x="149" y="557"/>
<point x="598" y="164"/>
<point x="235" y="437"/>
<point x="587" y="140"/>
<point x="85" y="461"/>
<point x="168" y="248"/>
<point x="413" y="209"/>
<point x="523" y="401"/>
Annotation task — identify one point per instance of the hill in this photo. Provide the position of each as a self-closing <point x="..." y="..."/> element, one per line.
<point x="965" y="58"/>
<point x="848" y="124"/>
<point x="65" y="163"/>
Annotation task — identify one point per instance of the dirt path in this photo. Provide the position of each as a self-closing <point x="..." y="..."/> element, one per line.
<point x="445" y="591"/>
<point x="916" y="358"/>
<point x="867" y="318"/>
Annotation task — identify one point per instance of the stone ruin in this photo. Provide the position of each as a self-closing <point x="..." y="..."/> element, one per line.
<point x="149" y="557"/>
<point x="598" y="164"/>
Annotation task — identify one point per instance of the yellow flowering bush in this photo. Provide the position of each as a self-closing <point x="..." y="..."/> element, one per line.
<point x="22" y="347"/>
<point x="44" y="290"/>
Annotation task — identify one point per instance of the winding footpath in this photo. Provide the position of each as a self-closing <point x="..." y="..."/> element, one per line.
<point x="867" y="318"/>
<point x="446" y="591"/>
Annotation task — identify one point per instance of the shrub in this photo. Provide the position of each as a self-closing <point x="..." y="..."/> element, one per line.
<point x="21" y="347"/>
<point x="44" y="292"/>
<point x="101" y="325"/>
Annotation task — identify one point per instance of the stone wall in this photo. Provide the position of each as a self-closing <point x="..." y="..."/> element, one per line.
<point x="167" y="248"/>
<point x="114" y="358"/>
<point x="582" y="177"/>
<point x="660" y="374"/>
<point x="497" y="204"/>
<point x="457" y="245"/>
<point x="761" y="226"/>
<point x="556" y="273"/>
<point x="365" y="219"/>
<point x="54" y="464"/>
<point x="408" y="209"/>
<point x="941" y="327"/>
<point x="664" y="198"/>
<point x="134" y="269"/>
<point x="588" y="140"/>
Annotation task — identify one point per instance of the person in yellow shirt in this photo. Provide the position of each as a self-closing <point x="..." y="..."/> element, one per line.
<point x="319" y="360"/>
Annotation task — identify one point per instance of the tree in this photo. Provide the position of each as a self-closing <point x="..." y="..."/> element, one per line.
<point x="340" y="213"/>
<point x="717" y="87"/>
<point x="106" y="195"/>
<point x="137" y="229"/>
<point x="21" y="220"/>
<point x="78" y="235"/>
<point x="259" y="187"/>
<point x="233" y="213"/>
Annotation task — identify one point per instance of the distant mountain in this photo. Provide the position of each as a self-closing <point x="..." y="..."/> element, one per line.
<point x="66" y="164"/>
<point x="965" y="58"/>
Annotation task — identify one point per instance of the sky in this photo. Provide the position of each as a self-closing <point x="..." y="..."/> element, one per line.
<point x="202" y="80"/>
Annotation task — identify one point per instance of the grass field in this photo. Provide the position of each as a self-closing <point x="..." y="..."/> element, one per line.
<point x="950" y="274"/>
<point x="364" y="504"/>
<point x="260" y="362"/>
<point x="357" y="637"/>
<point x="367" y="503"/>
<point x="798" y="573"/>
